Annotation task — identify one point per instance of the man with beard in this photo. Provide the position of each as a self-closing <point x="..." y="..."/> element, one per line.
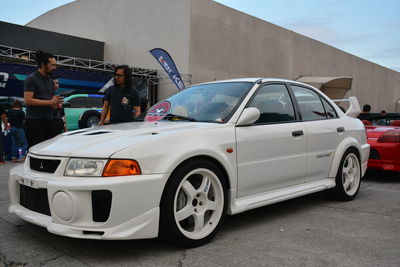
<point x="122" y="98"/>
<point x="40" y="100"/>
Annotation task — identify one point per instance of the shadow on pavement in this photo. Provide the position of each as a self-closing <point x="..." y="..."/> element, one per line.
<point x="382" y="176"/>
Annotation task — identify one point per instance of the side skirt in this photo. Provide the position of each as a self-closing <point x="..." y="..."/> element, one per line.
<point x="255" y="201"/>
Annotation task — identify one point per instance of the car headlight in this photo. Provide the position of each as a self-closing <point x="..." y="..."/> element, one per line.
<point x="85" y="167"/>
<point x="102" y="168"/>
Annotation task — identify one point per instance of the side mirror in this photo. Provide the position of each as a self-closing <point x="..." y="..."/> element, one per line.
<point x="66" y="105"/>
<point x="248" y="116"/>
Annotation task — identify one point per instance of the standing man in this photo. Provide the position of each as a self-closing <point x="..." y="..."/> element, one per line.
<point x="365" y="112"/>
<point x="6" y="127"/>
<point x="122" y="98"/>
<point x="40" y="100"/>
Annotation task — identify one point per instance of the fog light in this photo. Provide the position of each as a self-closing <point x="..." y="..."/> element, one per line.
<point x="63" y="206"/>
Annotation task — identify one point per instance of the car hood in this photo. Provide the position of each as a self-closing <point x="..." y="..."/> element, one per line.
<point x="102" y="142"/>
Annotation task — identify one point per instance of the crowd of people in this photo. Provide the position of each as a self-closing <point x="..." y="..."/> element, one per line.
<point x="44" y="116"/>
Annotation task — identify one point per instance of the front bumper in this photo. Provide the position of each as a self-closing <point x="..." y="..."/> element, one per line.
<point x="133" y="213"/>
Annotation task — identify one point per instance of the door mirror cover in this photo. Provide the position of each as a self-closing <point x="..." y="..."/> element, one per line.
<point x="248" y="116"/>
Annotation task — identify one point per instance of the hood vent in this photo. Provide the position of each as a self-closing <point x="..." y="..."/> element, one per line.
<point x="78" y="132"/>
<point x="97" y="133"/>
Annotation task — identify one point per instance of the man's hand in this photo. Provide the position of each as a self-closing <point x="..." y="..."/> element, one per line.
<point x="56" y="100"/>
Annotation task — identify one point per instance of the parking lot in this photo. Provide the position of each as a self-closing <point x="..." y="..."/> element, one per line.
<point x="308" y="231"/>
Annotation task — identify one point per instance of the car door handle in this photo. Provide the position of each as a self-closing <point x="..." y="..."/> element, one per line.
<point x="297" y="133"/>
<point x="340" y="129"/>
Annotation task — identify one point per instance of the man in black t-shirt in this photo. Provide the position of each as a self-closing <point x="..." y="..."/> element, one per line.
<point x="122" y="98"/>
<point x="365" y="113"/>
<point x="40" y="100"/>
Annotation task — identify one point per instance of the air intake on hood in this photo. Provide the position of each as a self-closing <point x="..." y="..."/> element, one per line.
<point x="97" y="133"/>
<point x="78" y="132"/>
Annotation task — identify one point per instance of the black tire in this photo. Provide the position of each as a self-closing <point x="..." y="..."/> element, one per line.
<point x="179" y="231"/>
<point x="89" y="119"/>
<point x="342" y="191"/>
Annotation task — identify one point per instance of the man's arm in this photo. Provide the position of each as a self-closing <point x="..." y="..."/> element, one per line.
<point x="136" y="109"/>
<point x="31" y="101"/>
<point x="104" y="112"/>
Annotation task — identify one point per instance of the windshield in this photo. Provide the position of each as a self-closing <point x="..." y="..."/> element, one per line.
<point x="214" y="102"/>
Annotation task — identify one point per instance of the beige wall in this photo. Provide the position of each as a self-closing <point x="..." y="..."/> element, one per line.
<point x="212" y="41"/>
<point x="226" y="43"/>
<point x="129" y="28"/>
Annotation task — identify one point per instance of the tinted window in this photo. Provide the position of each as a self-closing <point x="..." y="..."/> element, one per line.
<point x="274" y="103"/>
<point x="310" y="104"/>
<point x="94" y="102"/>
<point x="330" y="112"/>
<point x="78" y="102"/>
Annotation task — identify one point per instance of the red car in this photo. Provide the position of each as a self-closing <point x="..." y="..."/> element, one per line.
<point x="385" y="144"/>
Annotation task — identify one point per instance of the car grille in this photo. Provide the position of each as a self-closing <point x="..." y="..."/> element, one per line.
<point x="373" y="154"/>
<point x="34" y="199"/>
<point x="44" y="165"/>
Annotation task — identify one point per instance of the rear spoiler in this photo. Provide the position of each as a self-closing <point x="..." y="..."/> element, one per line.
<point x="354" y="109"/>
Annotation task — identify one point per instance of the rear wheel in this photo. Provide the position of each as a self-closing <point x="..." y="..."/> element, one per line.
<point x="193" y="205"/>
<point x="348" y="178"/>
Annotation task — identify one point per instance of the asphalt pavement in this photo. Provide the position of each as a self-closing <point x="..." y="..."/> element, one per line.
<point x="308" y="231"/>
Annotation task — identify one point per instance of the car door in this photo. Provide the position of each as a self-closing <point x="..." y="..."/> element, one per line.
<point x="271" y="153"/>
<point x="324" y="128"/>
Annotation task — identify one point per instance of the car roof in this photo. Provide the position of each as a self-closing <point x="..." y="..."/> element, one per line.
<point x="253" y="80"/>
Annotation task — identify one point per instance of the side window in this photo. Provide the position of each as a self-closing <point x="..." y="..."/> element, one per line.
<point x="274" y="103"/>
<point x="310" y="104"/>
<point x="94" y="102"/>
<point x="78" y="102"/>
<point x="330" y="111"/>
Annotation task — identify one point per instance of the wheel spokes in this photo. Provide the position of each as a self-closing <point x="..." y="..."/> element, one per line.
<point x="212" y="205"/>
<point x="198" y="221"/>
<point x="185" y="212"/>
<point x="205" y="185"/>
<point x="189" y="190"/>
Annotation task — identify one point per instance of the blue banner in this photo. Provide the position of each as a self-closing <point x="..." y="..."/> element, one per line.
<point x="168" y="65"/>
<point x="12" y="78"/>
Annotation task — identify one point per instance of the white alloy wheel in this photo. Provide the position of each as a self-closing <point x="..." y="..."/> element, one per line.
<point x="193" y="204"/>
<point x="198" y="203"/>
<point x="348" y="178"/>
<point x="351" y="174"/>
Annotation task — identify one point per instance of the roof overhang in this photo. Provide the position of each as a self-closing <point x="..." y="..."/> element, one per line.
<point x="334" y="87"/>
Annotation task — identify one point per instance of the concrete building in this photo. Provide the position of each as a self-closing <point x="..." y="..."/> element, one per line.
<point x="212" y="42"/>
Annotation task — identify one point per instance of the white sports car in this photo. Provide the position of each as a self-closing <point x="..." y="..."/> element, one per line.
<point x="210" y="150"/>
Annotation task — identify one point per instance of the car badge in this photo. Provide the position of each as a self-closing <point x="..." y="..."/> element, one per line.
<point x="41" y="166"/>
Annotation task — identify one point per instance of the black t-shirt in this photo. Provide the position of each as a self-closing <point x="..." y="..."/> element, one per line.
<point x="42" y="88"/>
<point x="122" y="101"/>
<point x="363" y="116"/>
<point x="16" y="117"/>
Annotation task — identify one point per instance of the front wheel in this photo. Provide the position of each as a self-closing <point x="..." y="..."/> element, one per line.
<point x="348" y="178"/>
<point x="89" y="119"/>
<point x="193" y="205"/>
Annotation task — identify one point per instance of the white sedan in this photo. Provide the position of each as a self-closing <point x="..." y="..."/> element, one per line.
<point x="210" y="150"/>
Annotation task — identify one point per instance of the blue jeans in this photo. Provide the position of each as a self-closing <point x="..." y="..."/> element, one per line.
<point x="18" y="138"/>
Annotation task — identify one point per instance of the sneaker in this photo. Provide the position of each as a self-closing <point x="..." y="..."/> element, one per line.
<point x="14" y="160"/>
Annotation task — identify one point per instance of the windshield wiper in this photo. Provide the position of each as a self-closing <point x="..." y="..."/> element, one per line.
<point x="173" y="117"/>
